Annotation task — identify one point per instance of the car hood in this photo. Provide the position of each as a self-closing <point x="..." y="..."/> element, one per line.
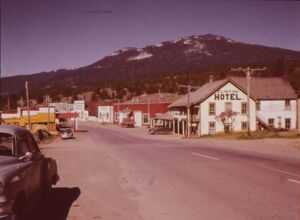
<point x="9" y="167"/>
<point x="6" y="160"/>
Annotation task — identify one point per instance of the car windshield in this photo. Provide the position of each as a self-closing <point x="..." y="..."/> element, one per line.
<point x="6" y="144"/>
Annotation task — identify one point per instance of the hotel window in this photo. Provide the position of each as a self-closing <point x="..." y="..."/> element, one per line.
<point x="211" y="128"/>
<point x="287" y="123"/>
<point x="212" y="109"/>
<point x="146" y="118"/>
<point x="271" y="122"/>
<point x="257" y="106"/>
<point x="228" y="106"/>
<point x="244" y="125"/>
<point x="287" y="105"/>
<point x="244" y="108"/>
<point x="116" y="116"/>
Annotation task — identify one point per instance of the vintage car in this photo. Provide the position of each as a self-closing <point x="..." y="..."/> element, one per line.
<point x="127" y="123"/>
<point x="66" y="133"/>
<point x="159" y="130"/>
<point x="25" y="174"/>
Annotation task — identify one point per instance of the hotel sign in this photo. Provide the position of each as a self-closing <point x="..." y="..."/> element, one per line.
<point x="227" y="95"/>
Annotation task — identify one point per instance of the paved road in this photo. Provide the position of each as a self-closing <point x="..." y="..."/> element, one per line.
<point x="114" y="173"/>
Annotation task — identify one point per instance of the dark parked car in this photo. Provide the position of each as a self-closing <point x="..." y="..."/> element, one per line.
<point x="66" y="133"/>
<point x="25" y="174"/>
<point x="159" y="130"/>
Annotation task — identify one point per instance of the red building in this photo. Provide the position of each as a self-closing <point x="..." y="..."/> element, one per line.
<point x="143" y="108"/>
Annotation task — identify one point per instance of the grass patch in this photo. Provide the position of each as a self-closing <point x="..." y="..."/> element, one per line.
<point x="256" y="135"/>
<point x="270" y="134"/>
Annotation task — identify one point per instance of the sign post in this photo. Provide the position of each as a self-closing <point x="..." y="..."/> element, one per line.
<point x="28" y="109"/>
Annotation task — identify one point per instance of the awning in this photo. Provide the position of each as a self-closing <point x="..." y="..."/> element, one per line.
<point x="164" y="117"/>
<point x="67" y="115"/>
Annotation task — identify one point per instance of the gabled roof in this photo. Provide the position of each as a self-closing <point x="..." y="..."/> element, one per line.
<point x="260" y="88"/>
<point x="199" y="94"/>
<point x="154" y="98"/>
<point x="275" y="88"/>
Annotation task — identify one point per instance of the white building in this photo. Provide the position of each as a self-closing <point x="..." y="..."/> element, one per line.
<point x="105" y="114"/>
<point x="61" y="107"/>
<point x="79" y="108"/>
<point x="272" y="105"/>
<point x="276" y="102"/>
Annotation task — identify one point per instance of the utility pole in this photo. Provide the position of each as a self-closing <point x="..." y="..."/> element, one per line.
<point x="22" y="102"/>
<point x="148" y="109"/>
<point x="118" y="111"/>
<point x="189" y="87"/>
<point x="27" y="100"/>
<point x="159" y="95"/>
<point x="248" y="71"/>
<point x="8" y="104"/>
<point x="48" y="105"/>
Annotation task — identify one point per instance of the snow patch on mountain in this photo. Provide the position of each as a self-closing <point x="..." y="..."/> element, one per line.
<point x="177" y="40"/>
<point x="159" y="45"/>
<point x="219" y="38"/>
<point x="188" y="41"/>
<point x="231" y="41"/>
<point x="140" y="56"/>
<point x="196" y="37"/>
<point x="126" y="49"/>
<point x="196" y="47"/>
<point x="114" y="54"/>
<point x="207" y="53"/>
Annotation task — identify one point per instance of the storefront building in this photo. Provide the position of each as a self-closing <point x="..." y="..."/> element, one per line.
<point x="143" y="109"/>
<point x="79" y="108"/>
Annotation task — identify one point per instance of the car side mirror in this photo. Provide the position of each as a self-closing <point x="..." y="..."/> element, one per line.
<point x="27" y="156"/>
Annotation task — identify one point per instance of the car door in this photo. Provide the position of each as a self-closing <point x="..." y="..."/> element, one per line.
<point x="37" y="160"/>
<point x="31" y="175"/>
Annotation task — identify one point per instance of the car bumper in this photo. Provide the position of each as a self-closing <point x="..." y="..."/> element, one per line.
<point x="66" y="136"/>
<point x="6" y="211"/>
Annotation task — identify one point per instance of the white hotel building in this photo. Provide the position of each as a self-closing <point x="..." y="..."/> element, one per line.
<point x="272" y="105"/>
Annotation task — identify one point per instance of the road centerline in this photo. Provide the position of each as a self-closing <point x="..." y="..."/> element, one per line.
<point x="206" y="156"/>
<point x="277" y="170"/>
<point x="294" y="181"/>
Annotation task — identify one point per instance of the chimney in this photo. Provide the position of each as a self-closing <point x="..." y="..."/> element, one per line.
<point x="211" y="79"/>
<point x="285" y="77"/>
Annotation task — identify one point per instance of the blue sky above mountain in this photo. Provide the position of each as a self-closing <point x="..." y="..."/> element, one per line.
<point x="51" y="34"/>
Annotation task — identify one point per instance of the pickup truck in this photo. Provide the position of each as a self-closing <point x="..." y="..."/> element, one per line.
<point x="127" y="122"/>
<point x="25" y="174"/>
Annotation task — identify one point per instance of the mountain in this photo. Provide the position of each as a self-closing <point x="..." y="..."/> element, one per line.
<point x="197" y="52"/>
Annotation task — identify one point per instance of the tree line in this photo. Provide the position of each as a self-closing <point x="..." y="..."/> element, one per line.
<point x="163" y="82"/>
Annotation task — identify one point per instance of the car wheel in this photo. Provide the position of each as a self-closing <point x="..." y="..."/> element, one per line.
<point x="46" y="184"/>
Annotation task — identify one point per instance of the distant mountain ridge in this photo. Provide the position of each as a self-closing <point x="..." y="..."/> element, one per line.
<point x="195" y="52"/>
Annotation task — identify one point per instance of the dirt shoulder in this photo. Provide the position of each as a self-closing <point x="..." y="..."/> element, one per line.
<point x="83" y="163"/>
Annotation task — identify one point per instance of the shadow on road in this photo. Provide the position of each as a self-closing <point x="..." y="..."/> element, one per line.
<point x="56" y="205"/>
<point x="82" y="130"/>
